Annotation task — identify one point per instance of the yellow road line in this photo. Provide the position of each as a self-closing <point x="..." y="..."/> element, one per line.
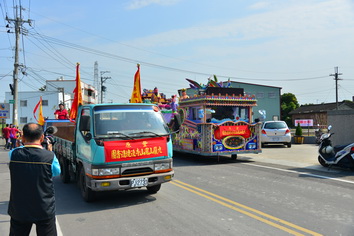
<point x="190" y="188"/>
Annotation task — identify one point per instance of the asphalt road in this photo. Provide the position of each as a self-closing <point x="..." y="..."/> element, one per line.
<point x="282" y="191"/>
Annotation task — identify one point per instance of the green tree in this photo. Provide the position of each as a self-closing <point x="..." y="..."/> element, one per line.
<point x="288" y="103"/>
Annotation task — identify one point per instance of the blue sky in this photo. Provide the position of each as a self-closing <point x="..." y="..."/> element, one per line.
<point x="292" y="44"/>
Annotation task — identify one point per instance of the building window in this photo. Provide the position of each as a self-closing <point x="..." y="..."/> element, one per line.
<point x="23" y="103"/>
<point x="23" y="120"/>
<point x="44" y="102"/>
<point x="91" y="93"/>
<point x="271" y="95"/>
<point x="260" y="95"/>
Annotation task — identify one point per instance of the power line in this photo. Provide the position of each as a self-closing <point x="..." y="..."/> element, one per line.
<point x="4" y="16"/>
<point x="3" y="76"/>
<point x="135" y="61"/>
<point x="153" y="52"/>
<point x="48" y="54"/>
<point x="55" y="51"/>
<point x="60" y="58"/>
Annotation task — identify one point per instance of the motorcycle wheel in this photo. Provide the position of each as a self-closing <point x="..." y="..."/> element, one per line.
<point x="322" y="162"/>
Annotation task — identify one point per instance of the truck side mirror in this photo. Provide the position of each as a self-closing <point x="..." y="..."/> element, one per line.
<point x="88" y="136"/>
<point x="84" y="123"/>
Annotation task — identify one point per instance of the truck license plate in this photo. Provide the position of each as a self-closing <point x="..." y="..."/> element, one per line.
<point x="140" y="182"/>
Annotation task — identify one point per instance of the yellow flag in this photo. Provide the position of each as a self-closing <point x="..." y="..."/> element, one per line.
<point x="136" y="94"/>
<point x="40" y="120"/>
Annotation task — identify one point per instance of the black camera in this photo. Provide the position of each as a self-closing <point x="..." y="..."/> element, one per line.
<point x="48" y="136"/>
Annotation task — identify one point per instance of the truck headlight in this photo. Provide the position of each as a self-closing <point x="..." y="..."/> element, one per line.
<point x="105" y="171"/>
<point x="162" y="166"/>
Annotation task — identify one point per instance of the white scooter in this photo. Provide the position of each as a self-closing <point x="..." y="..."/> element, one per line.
<point x="342" y="156"/>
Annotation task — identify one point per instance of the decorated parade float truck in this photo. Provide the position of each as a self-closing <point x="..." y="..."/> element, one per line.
<point x="114" y="147"/>
<point x="216" y="121"/>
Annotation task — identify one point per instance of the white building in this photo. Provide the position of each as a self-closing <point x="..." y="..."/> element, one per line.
<point x="89" y="93"/>
<point x="56" y="91"/>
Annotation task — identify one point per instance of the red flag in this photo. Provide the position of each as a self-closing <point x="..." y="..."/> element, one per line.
<point x="136" y="94"/>
<point x="41" y="120"/>
<point x="77" y="95"/>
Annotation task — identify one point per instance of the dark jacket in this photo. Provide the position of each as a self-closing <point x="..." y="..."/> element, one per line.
<point x="32" y="191"/>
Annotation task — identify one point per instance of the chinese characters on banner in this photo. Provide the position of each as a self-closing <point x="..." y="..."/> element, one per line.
<point x="224" y="131"/>
<point x="125" y="150"/>
<point x="308" y="122"/>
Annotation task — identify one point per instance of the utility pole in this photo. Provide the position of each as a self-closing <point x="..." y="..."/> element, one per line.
<point x="103" y="88"/>
<point x="336" y="79"/>
<point x="96" y="82"/>
<point x="18" y="22"/>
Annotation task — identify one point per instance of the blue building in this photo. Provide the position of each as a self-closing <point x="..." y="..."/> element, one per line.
<point x="268" y="99"/>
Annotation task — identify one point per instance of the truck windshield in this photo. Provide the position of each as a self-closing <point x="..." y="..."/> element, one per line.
<point x="129" y="122"/>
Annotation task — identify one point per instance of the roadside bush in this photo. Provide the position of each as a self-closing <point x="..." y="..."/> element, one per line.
<point x="298" y="131"/>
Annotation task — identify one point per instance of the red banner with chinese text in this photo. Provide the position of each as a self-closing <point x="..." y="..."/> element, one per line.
<point x="224" y="131"/>
<point x="126" y="150"/>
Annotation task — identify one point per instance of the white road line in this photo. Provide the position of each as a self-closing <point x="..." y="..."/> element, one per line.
<point x="303" y="173"/>
<point x="59" y="232"/>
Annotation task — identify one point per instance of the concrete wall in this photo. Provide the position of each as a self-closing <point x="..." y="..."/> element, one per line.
<point x="342" y="122"/>
<point x="307" y="140"/>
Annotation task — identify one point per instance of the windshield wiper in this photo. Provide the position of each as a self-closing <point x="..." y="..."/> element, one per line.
<point x="148" y="132"/>
<point x="119" y="133"/>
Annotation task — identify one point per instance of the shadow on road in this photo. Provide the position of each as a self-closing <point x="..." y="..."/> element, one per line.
<point x="69" y="200"/>
<point x="188" y="159"/>
<point x="334" y="172"/>
<point x="274" y="146"/>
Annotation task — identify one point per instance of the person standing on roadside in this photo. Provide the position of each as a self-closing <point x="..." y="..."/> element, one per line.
<point x="13" y="136"/>
<point x="6" y="136"/>
<point x="32" y="199"/>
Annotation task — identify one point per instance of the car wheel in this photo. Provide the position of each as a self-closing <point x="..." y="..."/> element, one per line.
<point x="234" y="156"/>
<point x="289" y="145"/>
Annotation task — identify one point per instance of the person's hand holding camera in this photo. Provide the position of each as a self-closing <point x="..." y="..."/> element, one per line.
<point x="49" y="144"/>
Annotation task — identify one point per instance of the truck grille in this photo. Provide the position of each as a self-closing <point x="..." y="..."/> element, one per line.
<point x="135" y="171"/>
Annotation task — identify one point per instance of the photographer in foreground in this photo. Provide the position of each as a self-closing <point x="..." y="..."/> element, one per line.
<point x="32" y="199"/>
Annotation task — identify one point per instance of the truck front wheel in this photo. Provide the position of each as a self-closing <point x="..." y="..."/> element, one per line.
<point x="86" y="192"/>
<point x="153" y="189"/>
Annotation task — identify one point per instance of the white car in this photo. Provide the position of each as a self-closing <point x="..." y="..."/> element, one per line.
<point x="275" y="132"/>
